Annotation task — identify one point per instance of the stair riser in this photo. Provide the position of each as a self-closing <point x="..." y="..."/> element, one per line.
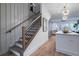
<point x="16" y="53"/>
<point x="29" y="34"/>
<point x="19" y="45"/>
<point x="32" y="31"/>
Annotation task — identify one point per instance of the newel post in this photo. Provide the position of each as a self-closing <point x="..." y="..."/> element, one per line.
<point x="23" y="37"/>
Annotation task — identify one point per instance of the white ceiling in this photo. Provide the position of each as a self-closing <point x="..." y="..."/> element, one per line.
<point x="55" y="9"/>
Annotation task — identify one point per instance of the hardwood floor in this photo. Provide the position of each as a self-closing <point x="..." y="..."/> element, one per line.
<point x="48" y="49"/>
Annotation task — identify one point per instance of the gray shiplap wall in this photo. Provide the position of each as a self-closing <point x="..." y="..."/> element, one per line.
<point x="0" y="27"/>
<point x="11" y="15"/>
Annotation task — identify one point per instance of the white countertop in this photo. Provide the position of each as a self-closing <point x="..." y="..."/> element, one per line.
<point x="70" y="33"/>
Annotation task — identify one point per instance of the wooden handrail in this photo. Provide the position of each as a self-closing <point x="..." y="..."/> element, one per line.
<point x="22" y="22"/>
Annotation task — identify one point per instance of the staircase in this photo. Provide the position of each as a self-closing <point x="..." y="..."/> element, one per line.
<point x="27" y="36"/>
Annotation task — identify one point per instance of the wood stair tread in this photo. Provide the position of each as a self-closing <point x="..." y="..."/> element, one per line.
<point x="31" y="30"/>
<point x="34" y="28"/>
<point x="20" y="42"/>
<point x="27" y="37"/>
<point x="17" y="49"/>
<point x="31" y="33"/>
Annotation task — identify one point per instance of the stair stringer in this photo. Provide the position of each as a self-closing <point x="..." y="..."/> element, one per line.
<point x="40" y="38"/>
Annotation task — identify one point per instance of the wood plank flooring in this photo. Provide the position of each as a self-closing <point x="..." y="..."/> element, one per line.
<point x="48" y="49"/>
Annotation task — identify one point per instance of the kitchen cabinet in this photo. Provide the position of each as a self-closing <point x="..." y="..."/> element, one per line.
<point x="67" y="43"/>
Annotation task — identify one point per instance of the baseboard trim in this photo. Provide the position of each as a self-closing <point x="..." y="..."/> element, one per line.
<point x="68" y="53"/>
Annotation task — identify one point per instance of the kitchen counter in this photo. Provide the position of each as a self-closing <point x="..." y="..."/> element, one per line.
<point x="70" y="33"/>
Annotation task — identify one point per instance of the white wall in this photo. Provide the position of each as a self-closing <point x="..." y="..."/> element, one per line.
<point x="46" y="14"/>
<point x="11" y="15"/>
<point x="41" y="36"/>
